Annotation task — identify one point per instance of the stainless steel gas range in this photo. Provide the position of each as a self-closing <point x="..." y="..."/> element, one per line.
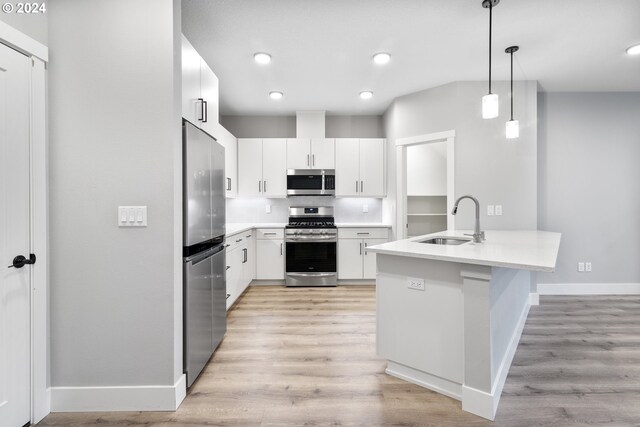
<point x="311" y="241"/>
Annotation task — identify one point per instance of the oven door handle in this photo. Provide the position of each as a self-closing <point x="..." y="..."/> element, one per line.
<point x="311" y="274"/>
<point x="311" y="239"/>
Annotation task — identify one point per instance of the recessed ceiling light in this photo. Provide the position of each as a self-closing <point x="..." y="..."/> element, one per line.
<point x="275" y="94"/>
<point x="262" y="58"/>
<point x="634" y="50"/>
<point x="367" y="94"/>
<point x="381" y="58"/>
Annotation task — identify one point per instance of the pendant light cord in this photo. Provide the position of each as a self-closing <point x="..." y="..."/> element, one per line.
<point x="512" y="86"/>
<point x="490" y="28"/>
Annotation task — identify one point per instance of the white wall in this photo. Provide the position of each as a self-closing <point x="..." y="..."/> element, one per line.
<point x="589" y="184"/>
<point x="33" y="24"/>
<point x="114" y="140"/>
<point x="487" y="165"/>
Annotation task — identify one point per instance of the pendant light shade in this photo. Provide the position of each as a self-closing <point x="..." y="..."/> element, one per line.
<point x="490" y="106"/>
<point x="513" y="127"/>
<point x="490" y="103"/>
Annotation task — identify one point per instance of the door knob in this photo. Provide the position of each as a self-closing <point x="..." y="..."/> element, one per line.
<point x="20" y="261"/>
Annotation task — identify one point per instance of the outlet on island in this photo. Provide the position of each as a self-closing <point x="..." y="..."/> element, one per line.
<point x="417" y="284"/>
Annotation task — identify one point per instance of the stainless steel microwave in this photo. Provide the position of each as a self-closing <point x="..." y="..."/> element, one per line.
<point x="311" y="182"/>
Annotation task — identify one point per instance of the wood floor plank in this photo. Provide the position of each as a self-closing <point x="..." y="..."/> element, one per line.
<point x="306" y="356"/>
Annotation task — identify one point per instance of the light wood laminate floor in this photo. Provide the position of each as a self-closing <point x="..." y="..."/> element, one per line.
<point x="306" y="356"/>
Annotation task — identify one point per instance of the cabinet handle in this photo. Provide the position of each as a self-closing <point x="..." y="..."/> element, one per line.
<point x="270" y="234"/>
<point x="228" y="184"/>
<point x="206" y="111"/>
<point x="360" y="248"/>
<point x="259" y="186"/>
<point x="245" y="256"/>
<point x="313" y="157"/>
<point x="248" y="236"/>
<point x="239" y="240"/>
<point x="362" y="186"/>
<point x="364" y="234"/>
<point x="365" y="248"/>
<point x="308" y="160"/>
<point x="280" y="248"/>
<point x="201" y="118"/>
<point x="265" y="186"/>
<point x="228" y="295"/>
<point x="228" y="267"/>
<point x="356" y="185"/>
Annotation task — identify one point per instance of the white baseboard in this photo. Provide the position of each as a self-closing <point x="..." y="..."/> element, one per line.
<point x="589" y="288"/>
<point x="117" y="399"/>
<point x="423" y="379"/>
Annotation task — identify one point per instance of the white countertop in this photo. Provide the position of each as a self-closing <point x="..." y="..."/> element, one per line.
<point x="235" y="228"/>
<point x="524" y="250"/>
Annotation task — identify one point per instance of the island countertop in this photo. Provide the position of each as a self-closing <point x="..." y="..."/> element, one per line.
<point x="525" y="250"/>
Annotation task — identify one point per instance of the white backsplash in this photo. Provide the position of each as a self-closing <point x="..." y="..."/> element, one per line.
<point x="254" y="210"/>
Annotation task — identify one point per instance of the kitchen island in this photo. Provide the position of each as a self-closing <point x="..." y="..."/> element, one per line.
<point x="450" y="316"/>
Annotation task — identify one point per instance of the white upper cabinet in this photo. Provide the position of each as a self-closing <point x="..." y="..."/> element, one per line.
<point x="372" y="167"/>
<point x="274" y="167"/>
<point x="230" y="144"/>
<point x="360" y="167"/>
<point x="262" y="167"/>
<point x="199" y="89"/>
<point x="250" y="166"/>
<point x="347" y="167"/>
<point x="299" y="153"/>
<point x="315" y="153"/>
<point x="323" y="153"/>
<point x="190" y="82"/>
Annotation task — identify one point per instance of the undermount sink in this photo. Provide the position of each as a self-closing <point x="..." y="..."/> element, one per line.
<point x="444" y="240"/>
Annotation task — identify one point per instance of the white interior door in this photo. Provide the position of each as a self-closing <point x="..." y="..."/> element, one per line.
<point x="15" y="314"/>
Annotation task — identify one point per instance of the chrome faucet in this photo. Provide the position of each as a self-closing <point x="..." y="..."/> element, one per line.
<point x="478" y="236"/>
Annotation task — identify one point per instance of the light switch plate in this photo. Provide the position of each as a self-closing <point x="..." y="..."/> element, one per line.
<point x="414" y="283"/>
<point x="490" y="210"/>
<point x="365" y="208"/>
<point x="498" y="210"/>
<point x="587" y="267"/>
<point x="268" y="209"/>
<point x="132" y="216"/>
<point x="581" y="267"/>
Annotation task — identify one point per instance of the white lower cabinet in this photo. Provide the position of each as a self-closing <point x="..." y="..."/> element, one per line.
<point x="270" y="254"/>
<point x="354" y="261"/>
<point x="241" y="265"/>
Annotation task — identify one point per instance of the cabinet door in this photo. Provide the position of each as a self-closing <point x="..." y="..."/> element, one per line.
<point x="270" y="259"/>
<point x="209" y="92"/>
<point x="347" y="167"/>
<point x="234" y="275"/>
<point x="299" y="153"/>
<point x="190" y="82"/>
<point x="274" y="167"/>
<point x="251" y="249"/>
<point x="323" y="153"/>
<point x="230" y="144"/>
<point x="250" y="166"/>
<point x="369" y="263"/>
<point x="372" y="167"/>
<point x="350" y="258"/>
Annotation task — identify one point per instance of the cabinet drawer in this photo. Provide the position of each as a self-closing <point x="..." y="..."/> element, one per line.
<point x="270" y="233"/>
<point x="363" y="233"/>
<point x="235" y="240"/>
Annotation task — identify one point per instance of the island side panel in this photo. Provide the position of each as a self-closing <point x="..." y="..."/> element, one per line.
<point x="421" y="329"/>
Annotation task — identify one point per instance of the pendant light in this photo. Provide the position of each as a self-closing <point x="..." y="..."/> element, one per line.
<point x="513" y="127"/>
<point x="490" y="101"/>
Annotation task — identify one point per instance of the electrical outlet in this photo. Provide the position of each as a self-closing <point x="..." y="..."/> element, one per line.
<point x="267" y="208"/>
<point x="581" y="267"/>
<point x="365" y="208"/>
<point x="490" y="210"/>
<point x="498" y="210"/>
<point x="587" y="266"/>
<point x="417" y="284"/>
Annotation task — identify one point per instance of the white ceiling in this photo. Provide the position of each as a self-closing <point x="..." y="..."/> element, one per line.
<point x="322" y="48"/>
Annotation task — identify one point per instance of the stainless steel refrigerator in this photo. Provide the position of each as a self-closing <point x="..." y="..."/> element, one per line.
<point x="205" y="311"/>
